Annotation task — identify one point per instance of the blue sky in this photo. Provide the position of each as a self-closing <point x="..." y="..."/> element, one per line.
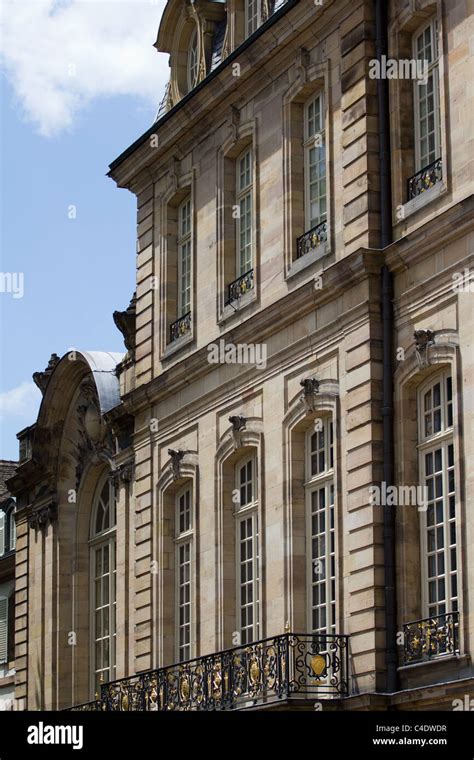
<point x="55" y="152"/>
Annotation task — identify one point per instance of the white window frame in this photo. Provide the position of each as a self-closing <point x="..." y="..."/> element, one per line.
<point x="98" y="542"/>
<point x="185" y="257"/>
<point x="323" y="479"/>
<point x="253" y="16"/>
<point x="419" y="89"/>
<point x="192" y="62"/>
<point x="243" y="513"/>
<point x="309" y="146"/>
<point x="244" y="195"/>
<point x="11" y="529"/>
<point x="430" y="443"/>
<point x="3" y="531"/>
<point x="182" y="539"/>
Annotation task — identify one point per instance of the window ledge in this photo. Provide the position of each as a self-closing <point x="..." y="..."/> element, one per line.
<point x="307" y="260"/>
<point x="423" y="199"/>
<point x="177" y="345"/>
<point x="445" y="667"/>
<point x="8" y="679"/>
<point x="240" y="304"/>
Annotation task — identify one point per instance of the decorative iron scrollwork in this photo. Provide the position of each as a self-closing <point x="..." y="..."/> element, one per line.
<point x="282" y="667"/>
<point x="430" y="637"/>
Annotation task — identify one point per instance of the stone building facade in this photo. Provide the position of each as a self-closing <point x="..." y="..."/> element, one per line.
<point x="267" y="500"/>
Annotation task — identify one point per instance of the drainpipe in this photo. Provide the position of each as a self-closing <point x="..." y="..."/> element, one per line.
<point x="381" y="44"/>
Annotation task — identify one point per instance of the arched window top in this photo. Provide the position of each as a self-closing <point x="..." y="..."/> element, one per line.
<point x="246" y="482"/>
<point x="104" y="514"/>
<point x="320" y="448"/>
<point x="435" y="406"/>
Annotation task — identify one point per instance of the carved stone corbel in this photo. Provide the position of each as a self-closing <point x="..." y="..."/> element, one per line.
<point x="173" y="174"/>
<point x="238" y="424"/>
<point x="235" y="123"/>
<point x="44" y="516"/>
<point x="302" y="63"/>
<point x="123" y="473"/>
<point x="176" y="457"/>
<point x="310" y="389"/>
<point x="423" y="340"/>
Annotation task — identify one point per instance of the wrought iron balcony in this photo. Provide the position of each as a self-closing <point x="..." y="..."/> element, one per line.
<point x="312" y="239"/>
<point x="240" y="286"/>
<point x="181" y="327"/>
<point x="95" y="706"/>
<point x="293" y="665"/>
<point x="425" y="179"/>
<point x="430" y="637"/>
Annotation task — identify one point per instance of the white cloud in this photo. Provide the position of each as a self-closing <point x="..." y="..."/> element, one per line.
<point x="59" y="55"/>
<point x="22" y="401"/>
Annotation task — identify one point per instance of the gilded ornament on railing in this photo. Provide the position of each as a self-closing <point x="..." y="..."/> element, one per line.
<point x="184" y="689"/>
<point x="318" y="665"/>
<point x="431" y="637"/>
<point x="254" y="671"/>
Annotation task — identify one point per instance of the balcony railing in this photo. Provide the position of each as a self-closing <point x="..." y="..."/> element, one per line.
<point x="293" y="665"/>
<point x="312" y="239"/>
<point x="95" y="706"/>
<point x="425" y="179"/>
<point x="431" y="637"/>
<point x="240" y="286"/>
<point x="181" y="327"/>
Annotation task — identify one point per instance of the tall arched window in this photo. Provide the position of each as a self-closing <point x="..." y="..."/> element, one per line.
<point x="103" y="586"/>
<point x="247" y="550"/>
<point x="320" y="532"/>
<point x="193" y="60"/>
<point x="438" y="522"/>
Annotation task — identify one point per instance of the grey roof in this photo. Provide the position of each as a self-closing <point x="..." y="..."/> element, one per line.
<point x="7" y="470"/>
<point x="103" y="364"/>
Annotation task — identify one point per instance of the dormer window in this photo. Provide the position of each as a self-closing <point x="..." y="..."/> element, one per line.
<point x="193" y="60"/>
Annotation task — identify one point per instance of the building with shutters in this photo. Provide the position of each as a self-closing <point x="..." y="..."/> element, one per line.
<point x="266" y="501"/>
<point x="7" y="588"/>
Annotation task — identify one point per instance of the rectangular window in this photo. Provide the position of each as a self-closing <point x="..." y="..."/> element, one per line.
<point x="104" y="623"/>
<point x="323" y="560"/>
<point x="426" y="98"/>
<point x="244" y="231"/>
<point x="184" y="258"/>
<point x="247" y="552"/>
<point x="320" y="528"/>
<point x="438" y="522"/>
<point x="184" y="558"/>
<point x="315" y="162"/>
<point x="248" y="578"/>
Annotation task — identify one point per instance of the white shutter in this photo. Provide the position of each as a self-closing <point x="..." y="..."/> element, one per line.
<point x="3" y="628"/>
<point x="2" y="532"/>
